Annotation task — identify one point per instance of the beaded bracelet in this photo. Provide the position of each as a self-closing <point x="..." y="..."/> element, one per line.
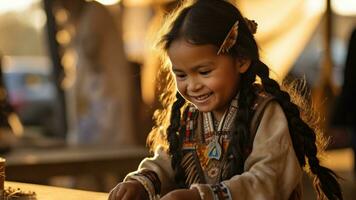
<point x="221" y="191"/>
<point x="213" y="192"/>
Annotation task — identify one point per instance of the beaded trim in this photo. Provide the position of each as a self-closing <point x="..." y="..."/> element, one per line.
<point x="189" y="140"/>
<point x="213" y="192"/>
<point x="221" y="191"/>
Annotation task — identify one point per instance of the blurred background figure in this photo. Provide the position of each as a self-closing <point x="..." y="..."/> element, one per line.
<point x="76" y="71"/>
<point x="98" y="77"/>
<point x="344" y="115"/>
<point x="10" y="124"/>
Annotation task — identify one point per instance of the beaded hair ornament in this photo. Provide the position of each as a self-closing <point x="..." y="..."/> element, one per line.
<point x="231" y="36"/>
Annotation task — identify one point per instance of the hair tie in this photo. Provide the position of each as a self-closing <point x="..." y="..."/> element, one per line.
<point x="251" y="24"/>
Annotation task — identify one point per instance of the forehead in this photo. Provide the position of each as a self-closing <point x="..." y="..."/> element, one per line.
<point x="182" y="53"/>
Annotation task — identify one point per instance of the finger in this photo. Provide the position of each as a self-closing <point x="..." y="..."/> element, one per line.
<point x="112" y="195"/>
<point x="117" y="193"/>
<point x="120" y="193"/>
<point x="113" y="192"/>
<point x="126" y="196"/>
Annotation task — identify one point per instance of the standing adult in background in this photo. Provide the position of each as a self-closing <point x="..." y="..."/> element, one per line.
<point x="345" y="108"/>
<point x="102" y="90"/>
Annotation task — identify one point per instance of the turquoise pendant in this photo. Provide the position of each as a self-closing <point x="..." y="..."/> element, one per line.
<point x="214" y="150"/>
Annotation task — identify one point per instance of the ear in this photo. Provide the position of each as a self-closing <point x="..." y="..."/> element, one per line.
<point x="243" y="65"/>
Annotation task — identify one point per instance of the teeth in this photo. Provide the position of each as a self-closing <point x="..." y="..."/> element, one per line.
<point x="202" y="97"/>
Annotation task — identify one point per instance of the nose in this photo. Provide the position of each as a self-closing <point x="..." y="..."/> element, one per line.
<point x="194" y="85"/>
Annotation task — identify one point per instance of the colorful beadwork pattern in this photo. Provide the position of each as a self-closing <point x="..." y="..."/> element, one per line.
<point x="221" y="191"/>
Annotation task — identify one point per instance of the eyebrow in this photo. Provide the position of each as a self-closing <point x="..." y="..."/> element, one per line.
<point x="195" y="68"/>
<point x="176" y="70"/>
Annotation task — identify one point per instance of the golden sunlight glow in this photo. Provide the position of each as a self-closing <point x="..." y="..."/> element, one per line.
<point x="133" y="3"/>
<point x="344" y="7"/>
<point x="61" y="16"/>
<point x="293" y="26"/>
<point x="108" y="2"/>
<point x="35" y="15"/>
<point x="63" y="37"/>
<point x="339" y="159"/>
<point x="315" y="6"/>
<point x="11" y="5"/>
<point x="68" y="62"/>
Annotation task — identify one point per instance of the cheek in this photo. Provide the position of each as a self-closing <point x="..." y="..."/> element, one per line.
<point x="215" y="84"/>
<point x="182" y="90"/>
<point x="181" y="87"/>
<point x="226" y="84"/>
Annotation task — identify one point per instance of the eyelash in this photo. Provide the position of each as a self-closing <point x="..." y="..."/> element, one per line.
<point x="181" y="76"/>
<point x="205" y="72"/>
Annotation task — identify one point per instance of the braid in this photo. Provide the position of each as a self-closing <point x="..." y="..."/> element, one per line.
<point x="174" y="137"/>
<point x="303" y="137"/>
<point x="241" y="138"/>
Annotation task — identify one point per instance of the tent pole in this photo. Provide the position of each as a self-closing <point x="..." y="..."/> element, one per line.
<point x="324" y="92"/>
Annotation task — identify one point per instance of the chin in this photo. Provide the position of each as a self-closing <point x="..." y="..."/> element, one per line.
<point x="203" y="108"/>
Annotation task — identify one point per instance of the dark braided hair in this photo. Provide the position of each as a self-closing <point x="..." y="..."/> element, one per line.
<point x="303" y="137"/>
<point x="208" y="22"/>
<point x="174" y="136"/>
<point x="243" y="119"/>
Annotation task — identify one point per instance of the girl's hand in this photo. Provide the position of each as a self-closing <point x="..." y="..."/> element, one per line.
<point x="128" y="190"/>
<point x="192" y="194"/>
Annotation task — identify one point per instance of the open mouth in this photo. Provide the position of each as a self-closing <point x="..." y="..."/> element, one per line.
<point x="201" y="98"/>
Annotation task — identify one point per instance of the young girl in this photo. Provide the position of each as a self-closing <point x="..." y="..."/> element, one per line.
<point x="222" y="135"/>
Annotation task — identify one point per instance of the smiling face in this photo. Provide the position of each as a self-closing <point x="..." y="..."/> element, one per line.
<point x="207" y="80"/>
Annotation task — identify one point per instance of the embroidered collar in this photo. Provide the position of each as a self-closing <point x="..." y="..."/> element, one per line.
<point x="226" y="121"/>
<point x="215" y="150"/>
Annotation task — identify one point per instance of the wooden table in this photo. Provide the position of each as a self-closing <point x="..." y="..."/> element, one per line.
<point x="57" y="193"/>
<point x="36" y="165"/>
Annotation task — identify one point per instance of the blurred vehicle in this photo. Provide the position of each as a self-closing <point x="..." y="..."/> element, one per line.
<point x="30" y="88"/>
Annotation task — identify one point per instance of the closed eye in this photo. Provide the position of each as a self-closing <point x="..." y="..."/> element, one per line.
<point x="180" y="75"/>
<point x="205" y="72"/>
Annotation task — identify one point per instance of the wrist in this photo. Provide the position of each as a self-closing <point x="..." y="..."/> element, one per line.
<point x="146" y="184"/>
<point x="205" y="192"/>
<point x="195" y="194"/>
<point x="142" y="189"/>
